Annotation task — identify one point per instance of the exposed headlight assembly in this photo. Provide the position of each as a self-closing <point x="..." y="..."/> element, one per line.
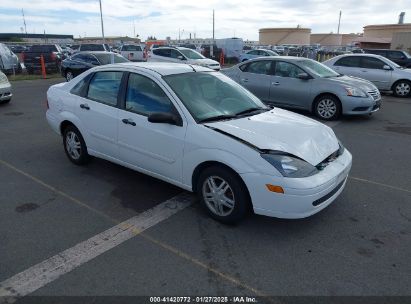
<point x="289" y="165"/>
<point x="354" y="92"/>
<point x="3" y="78"/>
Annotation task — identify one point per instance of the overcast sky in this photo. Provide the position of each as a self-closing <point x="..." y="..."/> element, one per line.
<point x="163" y="18"/>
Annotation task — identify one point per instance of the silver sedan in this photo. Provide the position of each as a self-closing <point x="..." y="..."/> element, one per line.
<point x="384" y="73"/>
<point x="301" y="83"/>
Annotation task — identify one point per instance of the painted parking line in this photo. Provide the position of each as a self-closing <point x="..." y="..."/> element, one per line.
<point x="379" y="184"/>
<point x="51" y="269"/>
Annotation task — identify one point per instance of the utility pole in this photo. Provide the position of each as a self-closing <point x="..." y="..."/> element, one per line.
<point x="339" y="23"/>
<point x="134" y="29"/>
<point x="213" y="27"/>
<point x="102" y="26"/>
<point x="24" y="21"/>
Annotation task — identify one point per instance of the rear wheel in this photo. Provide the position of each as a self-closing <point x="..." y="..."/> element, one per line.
<point x="223" y="194"/>
<point x="327" y="107"/>
<point x="402" y="88"/>
<point x="74" y="146"/>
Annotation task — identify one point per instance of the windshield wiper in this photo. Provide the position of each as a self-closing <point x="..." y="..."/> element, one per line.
<point x="251" y="110"/>
<point x="217" y="118"/>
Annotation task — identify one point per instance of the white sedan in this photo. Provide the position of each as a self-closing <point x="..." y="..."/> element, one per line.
<point x="200" y="130"/>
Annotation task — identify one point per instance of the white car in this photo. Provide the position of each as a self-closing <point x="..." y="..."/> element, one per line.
<point x="5" y="89"/>
<point x="201" y="131"/>
<point x="132" y="52"/>
<point x="182" y="55"/>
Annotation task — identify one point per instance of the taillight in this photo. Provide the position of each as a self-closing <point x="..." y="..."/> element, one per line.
<point x="53" y="56"/>
<point x="23" y="55"/>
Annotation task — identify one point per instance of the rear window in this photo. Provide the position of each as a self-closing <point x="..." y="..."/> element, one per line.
<point x="127" y="48"/>
<point x="162" y="52"/>
<point x="108" y="58"/>
<point x="92" y="47"/>
<point x="43" y="48"/>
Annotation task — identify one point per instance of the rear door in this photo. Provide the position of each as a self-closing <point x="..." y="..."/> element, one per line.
<point x="286" y="88"/>
<point x="372" y="70"/>
<point x="98" y="112"/>
<point x="348" y="65"/>
<point x="255" y="76"/>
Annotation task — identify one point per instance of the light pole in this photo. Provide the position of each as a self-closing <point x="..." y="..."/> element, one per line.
<point x="102" y="25"/>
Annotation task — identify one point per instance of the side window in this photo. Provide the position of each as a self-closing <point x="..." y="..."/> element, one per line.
<point x="253" y="52"/>
<point x="80" y="89"/>
<point x="144" y="96"/>
<point x="395" y="55"/>
<point x="174" y="54"/>
<point x="285" y="69"/>
<point x="258" y="67"/>
<point x="104" y="87"/>
<point x="372" y="63"/>
<point x="350" y="61"/>
<point x="91" y="59"/>
<point x="162" y="52"/>
<point x="78" y="57"/>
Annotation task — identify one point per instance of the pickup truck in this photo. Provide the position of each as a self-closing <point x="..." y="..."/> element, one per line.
<point x="52" y="54"/>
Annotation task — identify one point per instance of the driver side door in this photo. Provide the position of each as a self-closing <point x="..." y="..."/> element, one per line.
<point x="155" y="148"/>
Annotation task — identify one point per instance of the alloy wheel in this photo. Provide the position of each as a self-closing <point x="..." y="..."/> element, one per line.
<point x="218" y="196"/>
<point x="403" y="89"/>
<point x="73" y="145"/>
<point x="326" y="108"/>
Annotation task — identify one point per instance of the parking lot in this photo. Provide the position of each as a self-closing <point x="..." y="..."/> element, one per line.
<point x="359" y="246"/>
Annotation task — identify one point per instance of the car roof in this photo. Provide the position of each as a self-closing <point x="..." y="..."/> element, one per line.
<point x="94" y="52"/>
<point x="162" y="68"/>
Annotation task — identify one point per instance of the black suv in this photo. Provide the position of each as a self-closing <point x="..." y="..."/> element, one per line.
<point x="401" y="58"/>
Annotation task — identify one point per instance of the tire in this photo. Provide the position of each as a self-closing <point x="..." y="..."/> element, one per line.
<point x="69" y="75"/>
<point x="402" y="88"/>
<point x="74" y="146"/>
<point x="327" y="107"/>
<point x="236" y="198"/>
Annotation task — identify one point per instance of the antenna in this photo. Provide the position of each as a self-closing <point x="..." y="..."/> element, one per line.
<point x="24" y="21"/>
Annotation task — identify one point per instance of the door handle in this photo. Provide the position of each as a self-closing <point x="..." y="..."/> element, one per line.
<point x="275" y="83"/>
<point x="85" y="106"/>
<point x="128" y="122"/>
<point x="244" y="80"/>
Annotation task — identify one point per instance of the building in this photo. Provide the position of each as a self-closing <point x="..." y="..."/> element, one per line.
<point x="36" y="38"/>
<point x="277" y="36"/>
<point x="401" y="41"/>
<point x="326" y="39"/>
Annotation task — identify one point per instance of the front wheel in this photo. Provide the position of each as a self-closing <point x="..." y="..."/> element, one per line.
<point x="402" y="88"/>
<point x="69" y="75"/>
<point x="327" y="107"/>
<point x="74" y="146"/>
<point x="223" y="194"/>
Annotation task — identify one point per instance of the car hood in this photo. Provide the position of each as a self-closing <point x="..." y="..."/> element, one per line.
<point x="362" y="84"/>
<point x="281" y="130"/>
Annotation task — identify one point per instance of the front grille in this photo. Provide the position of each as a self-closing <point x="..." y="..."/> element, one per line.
<point x="375" y="94"/>
<point x="330" y="158"/>
<point x="328" y="195"/>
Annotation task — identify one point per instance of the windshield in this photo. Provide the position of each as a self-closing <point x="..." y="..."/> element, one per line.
<point x="190" y="54"/>
<point x="318" y="69"/>
<point x="209" y="94"/>
<point x="110" y="58"/>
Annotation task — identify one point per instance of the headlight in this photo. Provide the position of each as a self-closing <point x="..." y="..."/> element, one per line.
<point x="3" y="78"/>
<point x="354" y="92"/>
<point x="289" y="166"/>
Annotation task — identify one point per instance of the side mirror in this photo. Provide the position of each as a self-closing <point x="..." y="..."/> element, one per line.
<point x="167" y="118"/>
<point x="386" y="67"/>
<point x="303" y="76"/>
